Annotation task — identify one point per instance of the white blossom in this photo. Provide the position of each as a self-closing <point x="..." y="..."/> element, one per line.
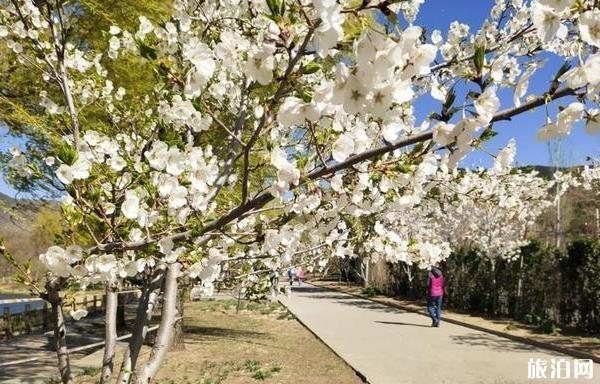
<point x="131" y="205"/>
<point x="486" y="105"/>
<point x="78" y="314"/>
<point x="546" y="21"/>
<point x="260" y="64"/>
<point x="589" y="27"/>
<point x="343" y="147"/>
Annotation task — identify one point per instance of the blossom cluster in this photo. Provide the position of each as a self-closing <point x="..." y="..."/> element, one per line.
<point x="284" y="131"/>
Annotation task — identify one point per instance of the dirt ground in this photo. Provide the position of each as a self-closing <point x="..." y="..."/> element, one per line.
<point x="260" y="343"/>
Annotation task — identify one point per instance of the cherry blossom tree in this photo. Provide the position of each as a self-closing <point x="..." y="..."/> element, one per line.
<point x="490" y="211"/>
<point x="268" y="123"/>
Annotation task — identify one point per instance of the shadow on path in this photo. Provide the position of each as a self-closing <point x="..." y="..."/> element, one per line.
<point x="327" y="294"/>
<point x="399" y="323"/>
<point x="491" y="341"/>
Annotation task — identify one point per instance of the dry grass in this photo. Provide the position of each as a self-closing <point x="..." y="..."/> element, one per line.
<point x="11" y="287"/>
<point x="261" y="343"/>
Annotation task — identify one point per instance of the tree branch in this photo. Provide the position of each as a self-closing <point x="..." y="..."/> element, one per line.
<point x="110" y="334"/>
<point x="261" y="200"/>
<point x="166" y="328"/>
<point x="145" y="308"/>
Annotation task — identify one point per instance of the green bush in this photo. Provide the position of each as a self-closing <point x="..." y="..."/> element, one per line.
<point x="371" y="291"/>
<point x="549" y="327"/>
<point x="543" y="287"/>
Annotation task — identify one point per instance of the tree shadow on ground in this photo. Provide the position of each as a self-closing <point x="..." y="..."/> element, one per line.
<point x="32" y="372"/>
<point x="223" y="333"/>
<point x="400" y="323"/>
<point x="327" y="294"/>
<point x="200" y="335"/>
<point x="492" y="342"/>
<point x="310" y="289"/>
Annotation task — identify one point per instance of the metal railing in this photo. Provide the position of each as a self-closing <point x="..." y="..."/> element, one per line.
<point x="35" y="313"/>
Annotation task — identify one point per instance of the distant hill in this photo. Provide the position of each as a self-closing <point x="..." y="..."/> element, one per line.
<point x="547" y="171"/>
<point x="18" y="220"/>
<point x="7" y="199"/>
<point x="13" y="211"/>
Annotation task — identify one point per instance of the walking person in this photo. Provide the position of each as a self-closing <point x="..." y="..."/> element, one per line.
<point x="300" y="274"/>
<point x="435" y="294"/>
<point x="274" y="277"/>
<point x="292" y="275"/>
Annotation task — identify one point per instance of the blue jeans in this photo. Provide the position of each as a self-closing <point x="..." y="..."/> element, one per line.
<point x="434" y="307"/>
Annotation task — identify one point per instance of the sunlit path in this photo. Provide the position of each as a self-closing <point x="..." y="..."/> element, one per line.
<point x="391" y="346"/>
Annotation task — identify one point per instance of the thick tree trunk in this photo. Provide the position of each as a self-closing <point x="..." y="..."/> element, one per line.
<point x="121" y="320"/>
<point x="494" y="303"/>
<point x="147" y="302"/>
<point x="110" y="334"/>
<point x="178" y="343"/>
<point x="60" y="340"/>
<point x="364" y="271"/>
<point x="519" y="296"/>
<point x="164" y="336"/>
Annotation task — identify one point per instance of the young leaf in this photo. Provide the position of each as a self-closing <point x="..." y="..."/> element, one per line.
<point x="479" y="58"/>
<point x="450" y="98"/>
<point x="561" y="71"/>
<point x="311" y="67"/>
<point x="146" y="51"/>
<point x="66" y="153"/>
<point x="487" y="134"/>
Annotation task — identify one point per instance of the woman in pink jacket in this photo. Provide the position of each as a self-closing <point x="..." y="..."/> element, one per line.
<point x="300" y="275"/>
<point x="435" y="293"/>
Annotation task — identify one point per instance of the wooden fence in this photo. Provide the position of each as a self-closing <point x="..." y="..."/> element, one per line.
<point x="28" y="320"/>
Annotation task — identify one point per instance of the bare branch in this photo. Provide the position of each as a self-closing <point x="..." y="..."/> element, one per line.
<point x="224" y="127"/>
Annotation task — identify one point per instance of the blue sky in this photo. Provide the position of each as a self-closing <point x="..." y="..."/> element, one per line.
<point x="438" y="14"/>
<point x="6" y="142"/>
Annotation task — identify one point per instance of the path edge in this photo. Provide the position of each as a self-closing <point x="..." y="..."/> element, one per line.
<point x="358" y="373"/>
<point x="524" y="340"/>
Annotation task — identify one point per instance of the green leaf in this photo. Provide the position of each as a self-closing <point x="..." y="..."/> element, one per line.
<point x="403" y="168"/>
<point x="8" y="256"/>
<point x="146" y="51"/>
<point x="306" y="95"/>
<point x="479" y="58"/>
<point x="450" y="98"/>
<point x="418" y="148"/>
<point x="435" y="116"/>
<point x="473" y="95"/>
<point x="301" y="161"/>
<point x="447" y="109"/>
<point x="561" y="71"/>
<point x="275" y="7"/>
<point x="66" y="153"/>
<point x="449" y="113"/>
<point x="19" y="278"/>
<point x="487" y="134"/>
<point x="311" y="67"/>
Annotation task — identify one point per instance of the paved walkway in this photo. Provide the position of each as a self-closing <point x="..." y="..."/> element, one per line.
<point x="391" y="346"/>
